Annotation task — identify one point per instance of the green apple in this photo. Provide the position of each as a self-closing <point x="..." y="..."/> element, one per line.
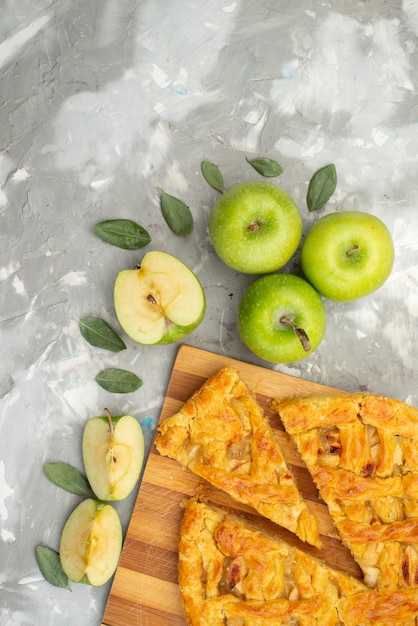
<point x="347" y="255"/>
<point x="255" y="227"/>
<point x="281" y="318"/>
<point x="159" y="302"/>
<point x="113" y="454"/>
<point x="91" y="543"/>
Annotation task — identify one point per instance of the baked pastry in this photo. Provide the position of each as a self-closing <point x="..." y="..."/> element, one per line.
<point x="362" y="452"/>
<point x="233" y="573"/>
<point x="223" y="436"/>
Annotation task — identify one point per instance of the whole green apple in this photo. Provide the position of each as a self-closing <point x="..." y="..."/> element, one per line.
<point x="347" y="255"/>
<point x="255" y="227"/>
<point x="281" y="318"/>
<point x="160" y="301"/>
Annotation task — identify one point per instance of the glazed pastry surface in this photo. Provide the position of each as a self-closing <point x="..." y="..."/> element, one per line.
<point x="235" y="574"/>
<point x="361" y="451"/>
<point x="223" y="436"/>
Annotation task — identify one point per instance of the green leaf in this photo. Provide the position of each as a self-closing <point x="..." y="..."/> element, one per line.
<point x="176" y="214"/>
<point x="118" y="381"/>
<point x="266" y="167"/>
<point x="123" y="234"/>
<point x="212" y="175"/>
<point x="321" y="187"/>
<point x="100" y="335"/>
<point x="50" y="565"/>
<point x="67" y="477"/>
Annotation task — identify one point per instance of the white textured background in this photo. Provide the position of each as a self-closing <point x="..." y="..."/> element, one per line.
<point x="103" y="102"/>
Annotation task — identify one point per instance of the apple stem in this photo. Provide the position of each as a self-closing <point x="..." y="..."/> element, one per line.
<point x="253" y="227"/>
<point x="299" y="332"/>
<point x="352" y="250"/>
<point x="111" y="430"/>
<point x="109" y="417"/>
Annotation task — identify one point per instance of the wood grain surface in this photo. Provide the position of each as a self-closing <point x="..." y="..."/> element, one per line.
<point x="144" y="590"/>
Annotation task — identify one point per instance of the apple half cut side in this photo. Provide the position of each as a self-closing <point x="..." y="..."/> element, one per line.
<point x="91" y="543"/>
<point x="347" y="255"/>
<point x="281" y="318"/>
<point x="159" y="302"/>
<point x="113" y="455"/>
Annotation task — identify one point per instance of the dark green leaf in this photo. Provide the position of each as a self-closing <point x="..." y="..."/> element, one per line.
<point x="50" y="565"/>
<point x="123" y="234"/>
<point x="321" y="187"/>
<point x="266" y="167"/>
<point x="67" y="477"/>
<point x="176" y="214"/>
<point x="118" y="381"/>
<point x="100" y="335"/>
<point x="212" y="175"/>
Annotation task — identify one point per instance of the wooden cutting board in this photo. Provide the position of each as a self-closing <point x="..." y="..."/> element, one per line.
<point x="144" y="590"/>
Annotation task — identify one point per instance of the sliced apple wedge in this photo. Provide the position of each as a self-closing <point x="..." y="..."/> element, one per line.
<point x="91" y="543"/>
<point x="161" y="301"/>
<point x="113" y="454"/>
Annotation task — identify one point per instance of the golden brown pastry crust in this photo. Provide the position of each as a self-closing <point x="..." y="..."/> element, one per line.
<point x="362" y="451"/>
<point x="232" y="573"/>
<point x="223" y="436"/>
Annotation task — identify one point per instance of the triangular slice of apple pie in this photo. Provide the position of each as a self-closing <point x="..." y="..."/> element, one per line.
<point x="223" y="436"/>
<point x="233" y="572"/>
<point x="362" y="452"/>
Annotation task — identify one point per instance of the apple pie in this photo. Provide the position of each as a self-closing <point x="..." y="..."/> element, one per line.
<point x="235" y="573"/>
<point x="222" y="434"/>
<point x="362" y="452"/>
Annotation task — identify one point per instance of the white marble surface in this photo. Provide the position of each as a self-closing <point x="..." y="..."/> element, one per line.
<point x="103" y="102"/>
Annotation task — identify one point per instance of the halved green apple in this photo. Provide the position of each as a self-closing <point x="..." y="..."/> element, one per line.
<point x="113" y="454"/>
<point x="91" y="543"/>
<point x="159" y="302"/>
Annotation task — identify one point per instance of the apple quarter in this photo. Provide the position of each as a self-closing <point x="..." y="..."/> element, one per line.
<point x="113" y="455"/>
<point x="91" y="543"/>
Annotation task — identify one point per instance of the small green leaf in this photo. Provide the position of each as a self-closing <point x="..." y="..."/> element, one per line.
<point x="321" y="187"/>
<point x="118" y="381"/>
<point x="123" y="234"/>
<point x="67" y="477"/>
<point x="50" y="565"/>
<point x="100" y="335"/>
<point x="212" y="175"/>
<point x="266" y="167"/>
<point x="176" y="214"/>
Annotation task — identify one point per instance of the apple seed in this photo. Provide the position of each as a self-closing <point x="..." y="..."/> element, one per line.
<point x="152" y="300"/>
<point x="299" y="332"/>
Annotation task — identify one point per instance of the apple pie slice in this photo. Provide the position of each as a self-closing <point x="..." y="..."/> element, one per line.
<point x="233" y="572"/>
<point x="362" y="452"/>
<point x="223" y="436"/>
